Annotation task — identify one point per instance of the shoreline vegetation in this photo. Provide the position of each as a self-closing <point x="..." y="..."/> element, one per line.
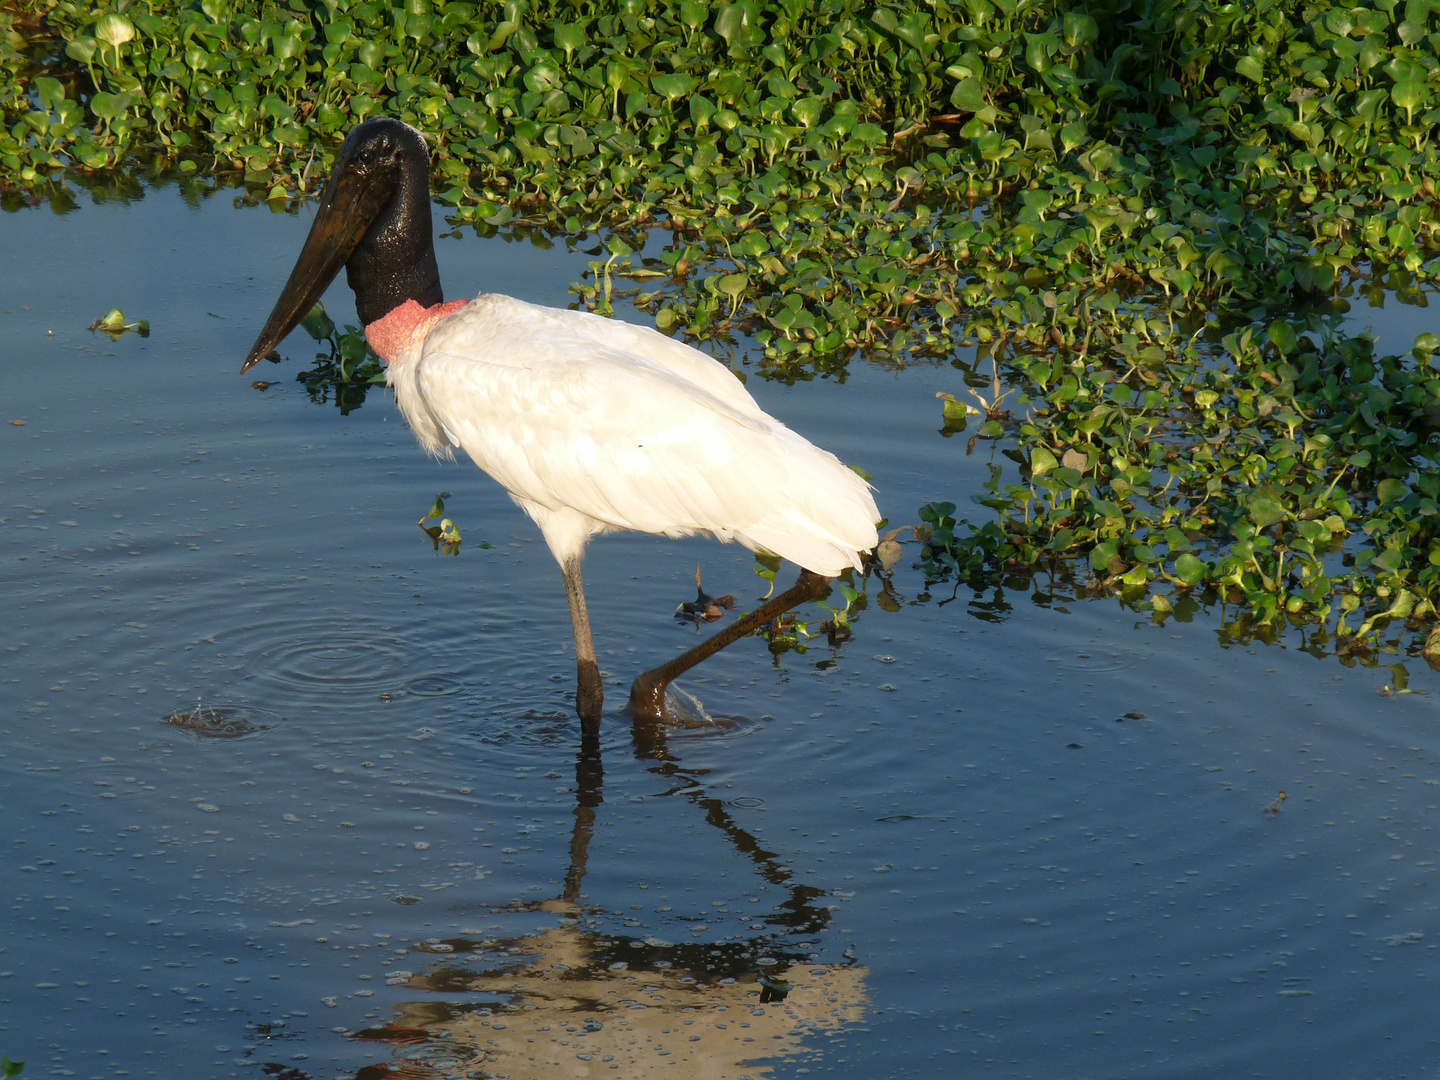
<point x="1132" y="225"/>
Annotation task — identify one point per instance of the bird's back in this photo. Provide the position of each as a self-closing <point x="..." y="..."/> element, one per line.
<point x="618" y="427"/>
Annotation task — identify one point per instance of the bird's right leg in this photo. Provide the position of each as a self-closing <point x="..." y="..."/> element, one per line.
<point x="647" y="693"/>
<point x="589" y="692"/>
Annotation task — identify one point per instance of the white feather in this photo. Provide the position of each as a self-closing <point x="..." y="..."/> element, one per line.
<point x="593" y="425"/>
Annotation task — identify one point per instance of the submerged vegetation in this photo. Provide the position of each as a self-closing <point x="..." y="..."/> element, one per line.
<point x="1142" y="211"/>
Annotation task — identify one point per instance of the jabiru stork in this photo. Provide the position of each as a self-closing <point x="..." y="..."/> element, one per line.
<point x="591" y="425"/>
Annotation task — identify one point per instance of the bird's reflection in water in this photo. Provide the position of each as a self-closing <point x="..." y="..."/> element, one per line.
<point x="572" y="1000"/>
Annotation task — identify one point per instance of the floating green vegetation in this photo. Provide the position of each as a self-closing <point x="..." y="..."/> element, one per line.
<point x="1294" y="475"/>
<point x="346" y="372"/>
<point x="113" y="323"/>
<point x="1125" y="202"/>
<point x="445" y="536"/>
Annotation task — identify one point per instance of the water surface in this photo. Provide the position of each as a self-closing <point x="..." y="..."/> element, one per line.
<point x="287" y="791"/>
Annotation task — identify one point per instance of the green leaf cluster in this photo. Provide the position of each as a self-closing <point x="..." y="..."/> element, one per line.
<point x="1294" y="473"/>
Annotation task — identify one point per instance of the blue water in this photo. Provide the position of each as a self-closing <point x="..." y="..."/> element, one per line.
<point x="1032" y="845"/>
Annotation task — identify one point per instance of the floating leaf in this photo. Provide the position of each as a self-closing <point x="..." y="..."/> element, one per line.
<point x="112" y="320"/>
<point x="889" y="552"/>
<point x="1189" y="569"/>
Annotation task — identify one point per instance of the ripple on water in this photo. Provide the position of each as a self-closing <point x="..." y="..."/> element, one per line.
<point x="1097" y="659"/>
<point x="533" y="727"/>
<point x="439" y="684"/>
<point x="745" y="802"/>
<point x="320" y="660"/>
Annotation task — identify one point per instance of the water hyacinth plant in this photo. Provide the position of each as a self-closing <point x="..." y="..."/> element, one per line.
<point x="1142" y="210"/>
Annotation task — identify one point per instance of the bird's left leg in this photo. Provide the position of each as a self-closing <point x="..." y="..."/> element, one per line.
<point x="647" y="693"/>
<point x="589" y="692"/>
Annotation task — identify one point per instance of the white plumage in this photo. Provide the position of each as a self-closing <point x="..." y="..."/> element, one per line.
<point x="594" y="425"/>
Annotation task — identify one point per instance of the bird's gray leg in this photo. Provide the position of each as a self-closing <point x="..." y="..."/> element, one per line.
<point x="647" y="693"/>
<point x="589" y="693"/>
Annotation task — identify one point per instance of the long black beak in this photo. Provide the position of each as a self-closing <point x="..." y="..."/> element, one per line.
<point x="350" y="204"/>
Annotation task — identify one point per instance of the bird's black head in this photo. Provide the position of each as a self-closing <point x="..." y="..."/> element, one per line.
<point x="373" y="219"/>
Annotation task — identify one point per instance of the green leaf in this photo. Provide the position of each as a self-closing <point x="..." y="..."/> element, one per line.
<point x="570" y="37"/>
<point x="109" y="107"/>
<point x="1042" y="461"/>
<point x="693" y="13"/>
<point x="1073" y="134"/>
<point x="1391" y="491"/>
<point x="1137" y="575"/>
<point x="1037" y="51"/>
<point x="1101" y="554"/>
<point x="50" y="91"/>
<point x="1251" y="68"/>
<point x="1409" y="94"/>
<point x="1265" y="511"/>
<point x="82" y="49"/>
<point x="733" y="285"/>
<point x="673" y="86"/>
<point x="885" y="19"/>
<point x="114" y="30"/>
<point x="968" y="95"/>
<point x="1339" y="22"/>
<point x="1410" y="34"/>
<point x="736" y="22"/>
<point x="1080" y="30"/>
<point x="318" y="324"/>
<point x="1282" y="335"/>
<point x="1189" y="569"/>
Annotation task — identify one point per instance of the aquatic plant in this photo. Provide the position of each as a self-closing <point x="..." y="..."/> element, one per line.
<point x="347" y="371"/>
<point x="113" y="323"/>
<point x="1295" y="473"/>
<point x="1128" y="204"/>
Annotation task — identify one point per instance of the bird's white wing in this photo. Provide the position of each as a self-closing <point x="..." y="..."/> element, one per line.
<point x="649" y="438"/>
